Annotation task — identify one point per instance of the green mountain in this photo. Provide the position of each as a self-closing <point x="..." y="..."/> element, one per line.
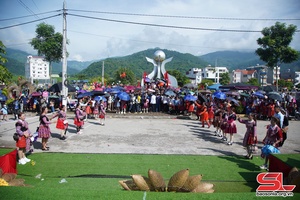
<point x="138" y="64"/>
<point x="16" y="60"/>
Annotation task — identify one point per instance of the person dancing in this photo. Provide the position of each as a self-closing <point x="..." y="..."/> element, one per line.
<point x="62" y="123"/>
<point x="79" y="117"/>
<point x="250" y="137"/>
<point x="102" y="113"/>
<point x="44" y="129"/>
<point x="231" y="125"/>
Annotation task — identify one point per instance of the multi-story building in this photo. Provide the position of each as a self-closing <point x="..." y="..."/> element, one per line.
<point x="36" y="68"/>
<point x="210" y="73"/>
<point x="242" y="75"/>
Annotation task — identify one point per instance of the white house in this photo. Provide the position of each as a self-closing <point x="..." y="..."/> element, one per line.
<point x="210" y="73"/>
<point x="242" y="75"/>
<point x="36" y="68"/>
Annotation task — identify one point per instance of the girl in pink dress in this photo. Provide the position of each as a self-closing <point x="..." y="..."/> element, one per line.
<point x="102" y="113"/>
<point x="250" y="137"/>
<point x="44" y="129"/>
<point x="231" y="125"/>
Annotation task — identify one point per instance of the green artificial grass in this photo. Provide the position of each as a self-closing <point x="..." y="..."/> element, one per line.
<point x="96" y="176"/>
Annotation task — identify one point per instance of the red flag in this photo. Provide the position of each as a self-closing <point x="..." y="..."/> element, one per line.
<point x="166" y="77"/>
<point x="144" y="76"/>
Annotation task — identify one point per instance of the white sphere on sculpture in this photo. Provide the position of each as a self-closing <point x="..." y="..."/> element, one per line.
<point x="159" y="56"/>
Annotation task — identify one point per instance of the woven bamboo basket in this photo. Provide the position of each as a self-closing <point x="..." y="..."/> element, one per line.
<point x="157" y="180"/>
<point x="178" y="180"/>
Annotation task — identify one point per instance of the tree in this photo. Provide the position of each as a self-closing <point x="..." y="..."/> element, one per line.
<point x="275" y="48"/>
<point x="181" y="79"/>
<point x="253" y="81"/>
<point x="206" y="82"/>
<point x="225" y="78"/>
<point x="48" y="43"/>
<point x="5" y="75"/>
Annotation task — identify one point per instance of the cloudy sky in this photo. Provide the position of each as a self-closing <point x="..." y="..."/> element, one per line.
<point x="95" y="31"/>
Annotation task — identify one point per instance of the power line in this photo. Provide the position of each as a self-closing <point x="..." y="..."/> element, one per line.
<point x="186" y="17"/>
<point x="28" y="9"/>
<point x="168" y="26"/>
<point x="29" y="22"/>
<point x="7" y="19"/>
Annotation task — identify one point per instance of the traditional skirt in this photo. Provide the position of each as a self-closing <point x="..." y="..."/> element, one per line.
<point x="249" y="139"/>
<point x="102" y="116"/>
<point x="78" y="122"/>
<point x="231" y="128"/>
<point x="21" y="143"/>
<point x="44" y="131"/>
<point x="60" y="124"/>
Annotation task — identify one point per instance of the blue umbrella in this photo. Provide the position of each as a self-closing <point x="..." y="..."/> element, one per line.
<point x="190" y="97"/>
<point x="219" y="95"/>
<point x="230" y="99"/>
<point x="123" y="96"/>
<point x="3" y="97"/>
<point x="170" y="93"/>
<point x="259" y="95"/>
<point x="87" y="94"/>
<point x="99" y="98"/>
<point x="214" y="86"/>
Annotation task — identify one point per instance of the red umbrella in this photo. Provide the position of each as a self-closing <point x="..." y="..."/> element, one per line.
<point x="129" y="87"/>
<point x="36" y="94"/>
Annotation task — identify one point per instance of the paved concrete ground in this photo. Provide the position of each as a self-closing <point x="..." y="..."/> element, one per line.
<point x="146" y="134"/>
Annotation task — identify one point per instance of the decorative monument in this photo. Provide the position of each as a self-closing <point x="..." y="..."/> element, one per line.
<point x="159" y="72"/>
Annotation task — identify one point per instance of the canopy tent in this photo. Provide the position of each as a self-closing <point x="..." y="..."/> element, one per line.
<point x="238" y="86"/>
<point x="57" y="87"/>
<point x="214" y="86"/>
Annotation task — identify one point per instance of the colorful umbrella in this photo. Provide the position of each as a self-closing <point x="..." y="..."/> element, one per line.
<point x="170" y="93"/>
<point x="123" y="96"/>
<point x="259" y="95"/>
<point x="36" y="94"/>
<point x="219" y="95"/>
<point x="231" y="99"/>
<point x="275" y="96"/>
<point x="190" y="97"/>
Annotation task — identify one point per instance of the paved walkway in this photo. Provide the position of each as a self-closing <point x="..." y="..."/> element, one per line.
<point x="146" y="134"/>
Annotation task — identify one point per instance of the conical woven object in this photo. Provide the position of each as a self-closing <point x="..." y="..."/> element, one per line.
<point x="178" y="180"/>
<point x="191" y="183"/>
<point x="203" y="188"/>
<point x="17" y="182"/>
<point x="143" y="183"/>
<point x="128" y="185"/>
<point x="157" y="180"/>
<point x="9" y="176"/>
<point x="293" y="172"/>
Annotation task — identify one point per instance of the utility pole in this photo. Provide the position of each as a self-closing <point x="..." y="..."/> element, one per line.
<point x="102" y="73"/>
<point x="64" y="92"/>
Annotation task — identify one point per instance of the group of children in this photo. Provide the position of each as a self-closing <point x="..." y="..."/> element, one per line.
<point x="223" y="118"/>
